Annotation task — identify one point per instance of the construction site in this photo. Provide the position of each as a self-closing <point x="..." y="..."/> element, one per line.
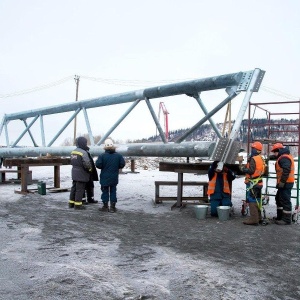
<point x="153" y="247"/>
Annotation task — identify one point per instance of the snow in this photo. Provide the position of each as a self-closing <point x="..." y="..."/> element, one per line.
<point x="136" y="190"/>
<point x="133" y="254"/>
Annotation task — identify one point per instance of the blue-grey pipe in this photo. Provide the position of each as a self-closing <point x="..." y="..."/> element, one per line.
<point x="185" y="149"/>
<point x="189" y="87"/>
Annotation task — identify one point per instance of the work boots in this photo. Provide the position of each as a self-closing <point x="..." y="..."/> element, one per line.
<point x="279" y="215"/>
<point x="79" y="205"/>
<point x="92" y="200"/>
<point x="254" y="215"/>
<point x="286" y="219"/>
<point x="104" y="207"/>
<point x="113" y="207"/>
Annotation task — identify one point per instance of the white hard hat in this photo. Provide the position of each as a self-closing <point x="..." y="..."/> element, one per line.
<point x="108" y="143"/>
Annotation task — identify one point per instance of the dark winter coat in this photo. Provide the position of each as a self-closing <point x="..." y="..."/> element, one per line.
<point x="110" y="162"/>
<point x="94" y="175"/>
<point x="82" y="166"/>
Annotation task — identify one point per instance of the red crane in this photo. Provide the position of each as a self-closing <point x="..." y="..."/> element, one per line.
<point x="162" y="108"/>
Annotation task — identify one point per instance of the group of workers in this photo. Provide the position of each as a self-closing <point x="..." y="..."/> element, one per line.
<point x="84" y="173"/>
<point x="221" y="177"/>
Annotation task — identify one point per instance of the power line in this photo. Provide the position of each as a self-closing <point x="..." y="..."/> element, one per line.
<point x="129" y="82"/>
<point x="279" y="93"/>
<point x="133" y="82"/>
<point x="37" y="88"/>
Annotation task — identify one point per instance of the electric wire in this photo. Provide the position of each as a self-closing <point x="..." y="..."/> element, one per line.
<point x="279" y="93"/>
<point x="133" y="82"/>
<point x="129" y="82"/>
<point x="37" y="88"/>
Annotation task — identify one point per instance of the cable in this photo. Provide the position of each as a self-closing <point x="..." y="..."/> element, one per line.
<point x="131" y="82"/>
<point x="38" y="88"/>
<point x="279" y="93"/>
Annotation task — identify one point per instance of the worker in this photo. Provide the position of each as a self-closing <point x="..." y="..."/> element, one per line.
<point x="81" y="172"/>
<point x="89" y="187"/>
<point x="109" y="162"/>
<point x="254" y="171"/>
<point x="219" y="186"/>
<point x="285" y="168"/>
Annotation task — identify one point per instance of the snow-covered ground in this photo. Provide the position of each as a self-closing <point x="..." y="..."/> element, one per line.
<point x="144" y="251"/>
<point x="140" y="185"/>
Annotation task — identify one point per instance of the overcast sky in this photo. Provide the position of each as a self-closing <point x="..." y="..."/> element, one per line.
<point x="137" y="44"/>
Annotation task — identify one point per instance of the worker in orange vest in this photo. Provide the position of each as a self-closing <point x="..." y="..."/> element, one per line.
<point x="285" y="168"/>
<point x="220" y="179"/>
<point x="254" y="171"/>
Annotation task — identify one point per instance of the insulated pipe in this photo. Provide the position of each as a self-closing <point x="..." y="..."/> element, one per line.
<point x="185" y="149"/>
<point x="189" y="87"/>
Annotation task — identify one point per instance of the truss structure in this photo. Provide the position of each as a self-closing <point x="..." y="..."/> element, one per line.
<point x="233" y="84"/>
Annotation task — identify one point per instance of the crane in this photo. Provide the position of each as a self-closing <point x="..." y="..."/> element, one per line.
<point x="162" y="108"/>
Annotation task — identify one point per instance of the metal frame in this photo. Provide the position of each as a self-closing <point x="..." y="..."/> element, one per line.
<point x="265" y="106"/>
<point x="233" y="84"/>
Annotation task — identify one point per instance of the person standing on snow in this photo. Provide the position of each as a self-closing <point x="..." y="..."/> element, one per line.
<point x="82" y="169"/>
<point x="219" y="186"/>
<point x="89" y="187"/>
<point x="109" y="162"/>
<point x="285" y="168"/>
<point x="254" y="170"/>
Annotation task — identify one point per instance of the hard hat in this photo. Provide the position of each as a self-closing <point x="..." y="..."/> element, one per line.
<point x="108" y="143"/>
<point x="276" y="146"/>
<point x="257" y="146"/>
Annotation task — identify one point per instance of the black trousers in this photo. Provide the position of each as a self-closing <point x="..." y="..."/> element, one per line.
<point x="89" y="190"/>
<point x="77" y="190"/>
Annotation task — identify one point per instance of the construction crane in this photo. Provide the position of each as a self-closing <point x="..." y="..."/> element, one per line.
<point x="162" y="108"/>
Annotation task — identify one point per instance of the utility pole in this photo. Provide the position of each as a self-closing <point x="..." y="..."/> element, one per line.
<point x="76" y="78"/>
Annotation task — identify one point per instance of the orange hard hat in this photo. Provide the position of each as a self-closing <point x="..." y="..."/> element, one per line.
<point x="257" y="146"/>
<point x="276" y="146"/>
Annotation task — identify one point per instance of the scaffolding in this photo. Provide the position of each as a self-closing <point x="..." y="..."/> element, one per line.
<point x="270" y="127"/>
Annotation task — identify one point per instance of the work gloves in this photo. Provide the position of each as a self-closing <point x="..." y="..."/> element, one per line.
<point x="280" y="185"/>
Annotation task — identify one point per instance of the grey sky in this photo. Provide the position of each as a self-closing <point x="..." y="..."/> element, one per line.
<point x="45" y="41"/>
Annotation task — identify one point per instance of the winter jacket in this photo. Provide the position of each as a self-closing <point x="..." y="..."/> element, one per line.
<point x="285" y="167"/>
<point x="94" y="175"/>
<point x="110" y="162"/>
<point x="80" y="160"/>
<point x="219" y="182"/>
<point x="255" y="168"/>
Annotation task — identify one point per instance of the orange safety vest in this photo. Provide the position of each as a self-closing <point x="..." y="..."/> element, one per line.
<point x="279" y="170"/>
<point x="259" y="169"/>
<point x="212" y="184"/>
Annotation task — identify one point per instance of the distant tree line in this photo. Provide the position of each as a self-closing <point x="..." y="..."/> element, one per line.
<point x="283" y="129"/>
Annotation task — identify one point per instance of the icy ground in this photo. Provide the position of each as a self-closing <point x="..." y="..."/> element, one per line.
<point x="144" y="251"/>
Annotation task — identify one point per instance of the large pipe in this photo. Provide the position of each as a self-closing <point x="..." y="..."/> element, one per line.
<point x="189" y="87"/>
<point x="185" y="149"/>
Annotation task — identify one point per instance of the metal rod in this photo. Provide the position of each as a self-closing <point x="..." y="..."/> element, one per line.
<point x="42" y="131"/>
<point x="63" y="128"/>
<point x="30" y="134"/>
<point x="88" y="126"/>
<point x="211" y="113"/>
<point x="212" y="123"/>
<point x="25" y="130"/>
<point x="156" y="121"/>
<point x="104" y="137"/>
